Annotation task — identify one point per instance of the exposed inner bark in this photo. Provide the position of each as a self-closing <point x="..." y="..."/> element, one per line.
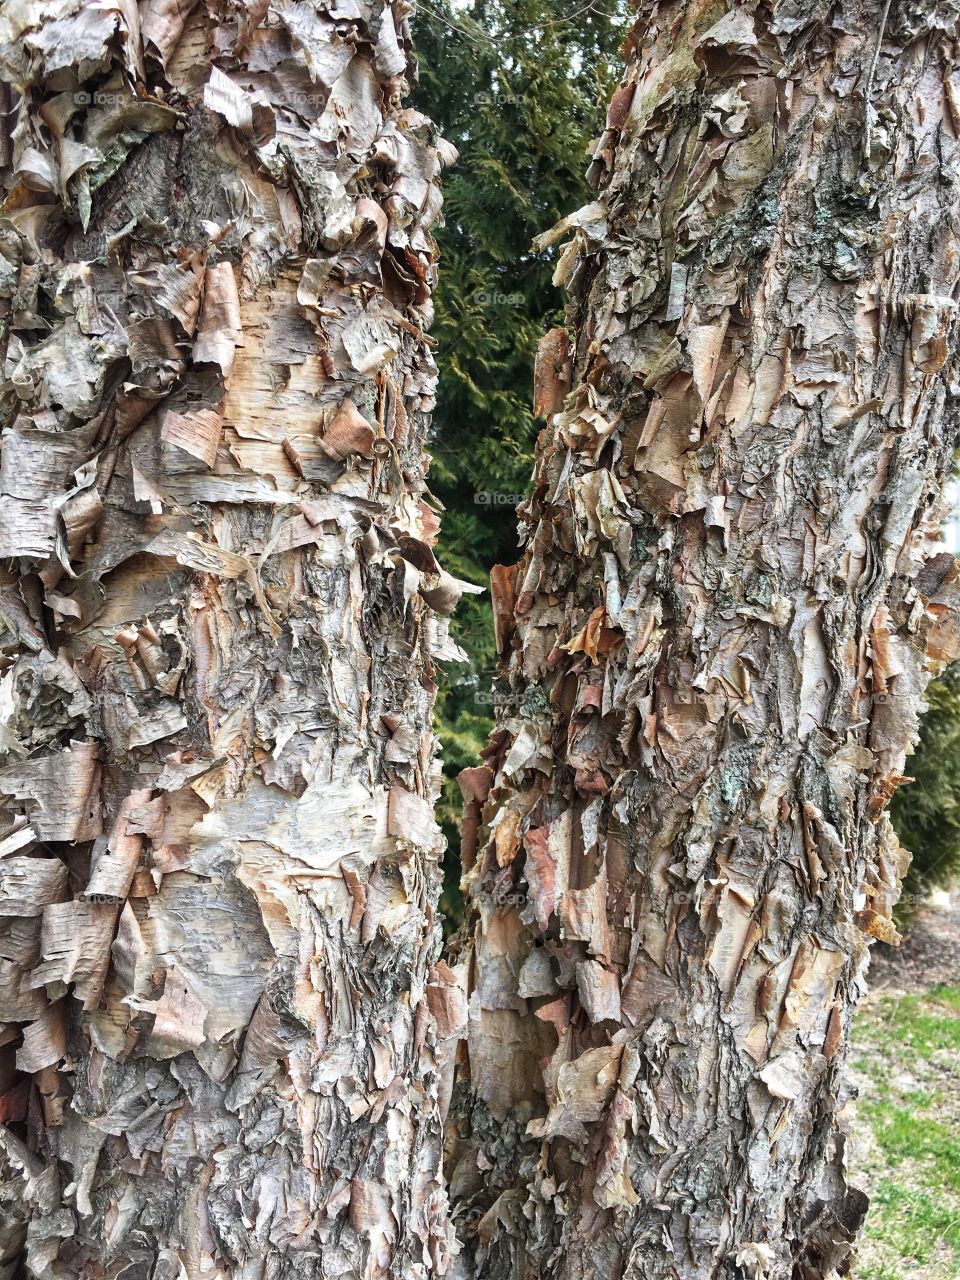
<point x="224" y="1022"/>
<point x="714" y="651"/>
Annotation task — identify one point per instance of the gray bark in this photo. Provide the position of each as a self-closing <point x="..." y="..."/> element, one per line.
<point x="224" y="1023"/>
<point x="714" y="651"/>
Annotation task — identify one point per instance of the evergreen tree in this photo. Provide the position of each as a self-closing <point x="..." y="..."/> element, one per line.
<point x="926" y="813"/>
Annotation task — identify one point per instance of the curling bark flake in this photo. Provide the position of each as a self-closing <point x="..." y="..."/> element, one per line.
<point x="224" y="1021"/>
<point x="714" y="651"/>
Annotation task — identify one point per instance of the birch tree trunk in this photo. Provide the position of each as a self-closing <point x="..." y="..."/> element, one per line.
<point x="714" y="651"/>
<point x="223" y="1018"/>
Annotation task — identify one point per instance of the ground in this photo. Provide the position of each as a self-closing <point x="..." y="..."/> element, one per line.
<point x="905" y="1150"/>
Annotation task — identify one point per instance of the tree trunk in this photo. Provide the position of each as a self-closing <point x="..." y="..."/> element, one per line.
<point x="714" y="651"/>
<point x="224" y="1019"/>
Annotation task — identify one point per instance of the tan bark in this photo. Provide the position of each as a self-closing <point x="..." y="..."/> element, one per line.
<point x="224" y="1024"/>
<point x="714" y="651"/>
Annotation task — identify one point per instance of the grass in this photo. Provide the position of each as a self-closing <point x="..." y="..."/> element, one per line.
<point x="906" y="1148"/>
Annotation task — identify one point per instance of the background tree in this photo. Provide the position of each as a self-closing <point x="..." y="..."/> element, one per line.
<point x="926" y="814"/>
<point x="520" y="87"/>
<point x="715" y="647"/>
<point x="222" y="1024"/>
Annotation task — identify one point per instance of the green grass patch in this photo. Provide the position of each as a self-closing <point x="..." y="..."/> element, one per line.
<point x="907" y="1142"/>
<point x="913" y="1228"/>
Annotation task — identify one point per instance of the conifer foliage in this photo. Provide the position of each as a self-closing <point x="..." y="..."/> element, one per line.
<point x="926" y="813"/>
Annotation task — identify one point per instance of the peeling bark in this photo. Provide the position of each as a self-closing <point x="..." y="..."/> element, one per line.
<point x="714" y="651"/>
<point x="225" y="1031"/>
